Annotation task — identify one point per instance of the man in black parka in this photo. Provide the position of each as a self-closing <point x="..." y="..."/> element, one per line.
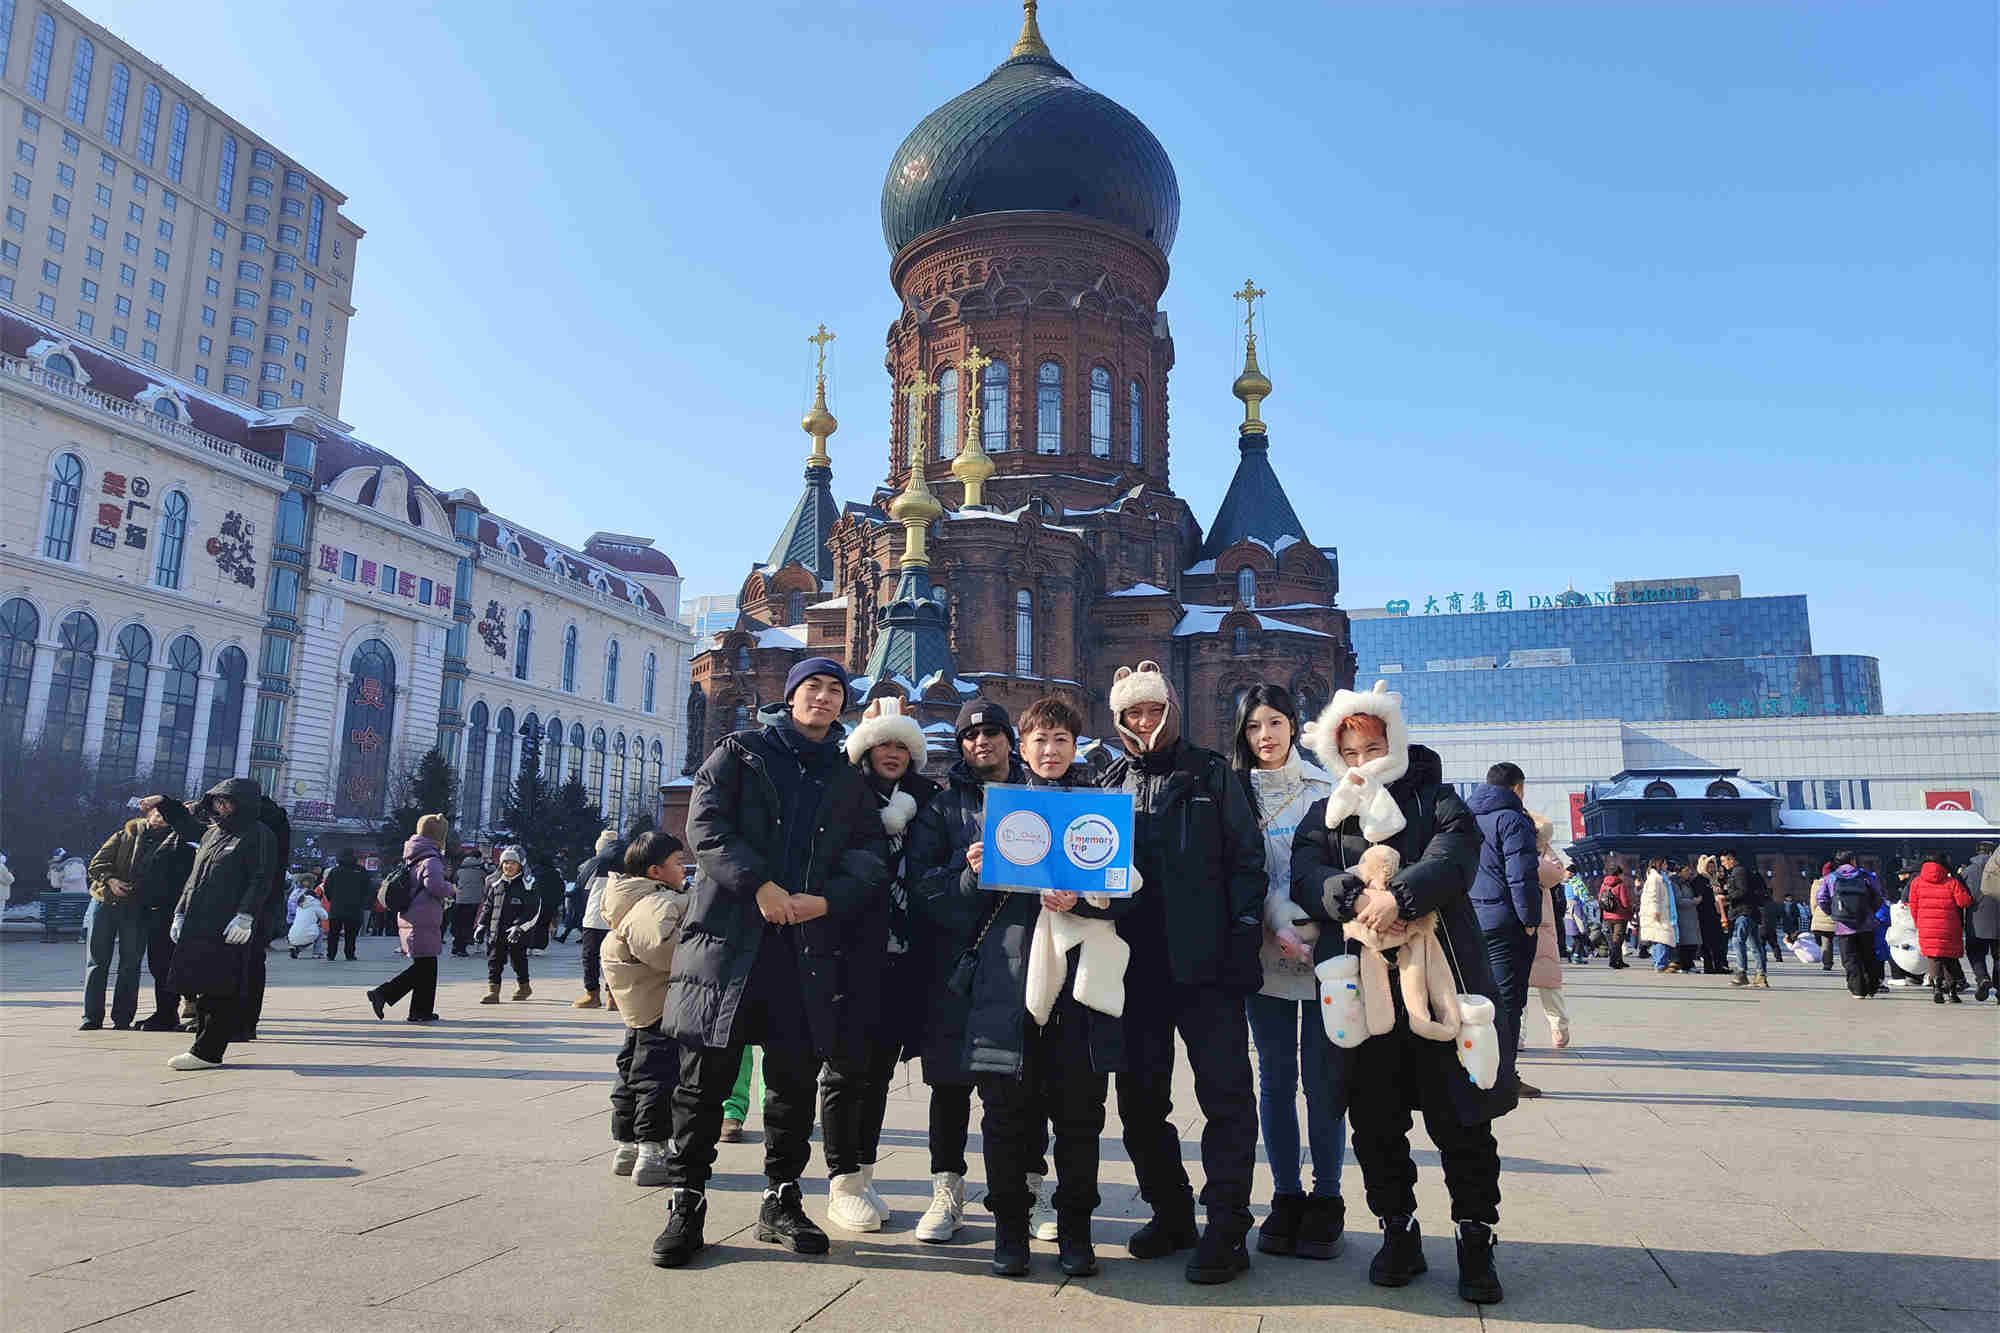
<point x="216" y="922"/>
<point x="1195" y="931"/>
<point x="781" y="948"/>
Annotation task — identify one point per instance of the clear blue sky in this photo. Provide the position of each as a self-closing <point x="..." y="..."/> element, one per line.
<point x="1558" y="292"/>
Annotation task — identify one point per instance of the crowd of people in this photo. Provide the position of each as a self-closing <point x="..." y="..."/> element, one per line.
<point x="1371" y="934"/>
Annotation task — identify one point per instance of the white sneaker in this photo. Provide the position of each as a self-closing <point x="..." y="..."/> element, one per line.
<point x="881" y="1205"/>
<point x="1041" y="1213"/>
<point x="651" y="1166"/>
<point x="189" y="1060"/>
<point x="848" y="1206"/>
<point x="623" y="1157"/>
<point x="945" y="1218"/>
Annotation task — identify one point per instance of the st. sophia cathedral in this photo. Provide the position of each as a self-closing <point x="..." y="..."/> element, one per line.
<point x="1039" y="543"/>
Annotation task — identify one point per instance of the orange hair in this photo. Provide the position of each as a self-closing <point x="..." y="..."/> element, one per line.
<point x="1367" y="724"/>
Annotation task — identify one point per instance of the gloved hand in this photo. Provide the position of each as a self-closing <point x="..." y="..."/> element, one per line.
<point x="238" y="929"/>
<point x="479" y="936"/>
<point x="513" y="934"/>
<point x="174" y="931"/>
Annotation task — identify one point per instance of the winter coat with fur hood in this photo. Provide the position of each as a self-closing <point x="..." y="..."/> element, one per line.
<point x="638" y="953"/>
<point x="1199" y="920"/>
<point x="947" y="908"/>
<point x="123" y="857"/>
<point x="1937" y="900"/>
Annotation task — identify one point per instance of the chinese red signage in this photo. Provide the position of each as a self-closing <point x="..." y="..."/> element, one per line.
<point x="1947" y="800"/>
<point x="131" y="492"/>
<point x="1576" y="814"/>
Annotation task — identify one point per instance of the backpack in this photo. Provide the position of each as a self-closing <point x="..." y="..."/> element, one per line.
<point x="1850" y="900"/>
<point x="399" y="887"/>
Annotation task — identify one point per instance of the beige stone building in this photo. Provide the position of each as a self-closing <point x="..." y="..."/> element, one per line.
<point x="144" y="219"/>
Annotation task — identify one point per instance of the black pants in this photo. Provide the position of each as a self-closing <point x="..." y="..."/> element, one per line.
<point x="463" y="915"/>
<point x="335" y="926"/>
<point x="501" y="952"/>
<point x="120" y="926"/>
<point x="649" y="1069"/>
<point x="218" y="1020"/>
<point x="950" y="1126"/>
<point x="1863" y="968"/>
<point x="1057" y="1085"/>
<point x="1511" y="952"/>
<point x="1826" y="950"/>
<point x="160" y="960"/>
<point x="853" y="1098"/>
<point x="253" y="988"/>
<point x="419" y="981"/>
<point x="1215" y="1032"/>
<point x="1980" y="955"/>
<point x="1391" y="1076"/>
<point x="593" y="942"/>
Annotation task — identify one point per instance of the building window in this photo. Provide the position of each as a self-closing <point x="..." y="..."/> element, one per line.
<point x="238" y="356"/>
<point x="225" y="181"/>
<point x="125" y="705"/>
<point x="57" y="239"/>
<point x="615" y="793"/>
<point x="171" y="539"/>
<point x="287" y="234"/>
<point x="176" y="734"/>
<point x="249" y="271"/>
<point x="281" y="291"/>
<point x="236" y="386"/>
<point x="1242" y="641"/>
<point x="39" y="57"/>
<point x="504" y="741"/>
<point x="947" y="440"/>
<point x="20" y="624"/>
<point x="65" y="488"/>
<point x="225" y="715"/>
<point x="22" y="186"/>
<point x="81" y="60"/>
<point x="611" y="672"/>
<point x="45" y="305"/>
<point x="569" y="659"/>
<point x="1246" y="586"/>
<point x="1100" y="412"/>
<point x="149" y="123"/>
<point x="524" y="633"/>
<point x="261" y="157"/>
<point x="576" y="752"/>
<point x="114" y="105"/>
<point x="69" y="683"/>
<point x="118" y="338"/>
<point x="177" y="138"/>
<point x="475" y="769"/>
<point x="201" y="374"/>
<point x="597" y="753"/>
<point x="1048" y="409"/>
<point x="169" y="201"/>
<point x="260" y="188"/>
<point x="1135" y="428"/>
<point x="84" y="321"/>
<point x="156" y="289"/>
<point x="24" y="151"/>
<point x="1024" y="633"/>
<point x="312" y="229"/>
<point x="993" y="409"/>
<point x="256" y="215"/>
<point x="366" y="743"/>
<point x="651" y="681"/>
<point x="242" y="327"/>
<point x="552" y="751"/>
<point x="697" y="730"/>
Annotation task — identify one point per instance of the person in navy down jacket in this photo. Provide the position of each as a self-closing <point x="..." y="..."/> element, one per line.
<point x="1506" y="893"/>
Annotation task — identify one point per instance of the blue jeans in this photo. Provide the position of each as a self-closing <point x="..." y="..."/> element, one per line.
<point x="121" y="926"/>
<point x="1281" y="1030"/>
<point x="1662" y="955"/>
<point x="1745" y="931"/>
<point x="1510" y="952"/>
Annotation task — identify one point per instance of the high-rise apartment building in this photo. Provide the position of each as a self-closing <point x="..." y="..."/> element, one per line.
<point x="148" y="220"/>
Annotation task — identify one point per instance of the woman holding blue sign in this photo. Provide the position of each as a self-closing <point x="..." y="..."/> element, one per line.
<point x="1284" y="1017"/>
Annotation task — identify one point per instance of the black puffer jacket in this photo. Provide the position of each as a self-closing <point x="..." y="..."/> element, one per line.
<point x="906" y="983"/>
<point x="1439" y="846"/>
<point x="997" y="1024"/>
<point x="349" y="891"/>
<point x="232" y="869"/>
<point x="1745" y="892"/>
<point x="166" y="872"/>
<point x="948" y="909"/>
<point x="736" y="828"/>
<point x="1201" y="856"/>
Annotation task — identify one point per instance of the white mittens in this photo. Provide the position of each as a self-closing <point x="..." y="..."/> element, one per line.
<point x="238" y="929"/>
<point x="174" y="931"/>
<point x="1478" y="1044"/>
<point x="1340" y="1007"/>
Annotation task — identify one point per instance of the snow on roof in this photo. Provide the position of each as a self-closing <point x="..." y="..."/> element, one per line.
<point x="1142" y="590"/>
<point x="1287" y="627"/>
<point x="830" y="604"/>
<point x="1201" y="619"/>
<point x="1200" y="567"/>
<point x="1687" y="786"/>
<point x="791" y="636"/>
<point x="1886" y="821"/>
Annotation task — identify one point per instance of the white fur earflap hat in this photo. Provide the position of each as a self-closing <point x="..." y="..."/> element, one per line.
<point x="885" y="720"/>
<point x="1144" y="684"/>
<point x="1364" y="790"/>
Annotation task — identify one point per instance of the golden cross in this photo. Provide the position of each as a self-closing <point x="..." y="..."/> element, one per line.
<point x="973" y="362"/>
<point x="1248" y="296"/>
<point x="821" y="339"/>
<point x="920" y="392"/>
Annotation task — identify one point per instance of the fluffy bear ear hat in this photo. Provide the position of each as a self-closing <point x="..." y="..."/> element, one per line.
<point x="885" y="721"/>
<point x="1144" y="684"/>
<point x="1363" y="791"/>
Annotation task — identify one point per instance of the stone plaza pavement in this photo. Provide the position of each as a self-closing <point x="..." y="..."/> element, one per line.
<point x="1706" y="1159"/>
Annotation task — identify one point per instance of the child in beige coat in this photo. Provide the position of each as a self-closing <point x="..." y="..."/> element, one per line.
<point x="645" y="906"/>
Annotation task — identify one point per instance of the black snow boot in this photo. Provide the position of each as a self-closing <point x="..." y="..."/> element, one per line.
<point x="1401" y="1257"/>
<point x="1220" y="1256"/>
<point x="783" y="1221"/>
<point x="1172" y="1228"/>
<point x="1280" y="1232"/>
<point x="1477" y="1280"/>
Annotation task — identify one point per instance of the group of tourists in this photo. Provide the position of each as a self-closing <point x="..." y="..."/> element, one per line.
<point x="837" y="921"/>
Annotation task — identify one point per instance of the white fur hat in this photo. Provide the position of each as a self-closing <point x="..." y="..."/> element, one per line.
<point x="607" y="840"/>
<point x="885" y="721"/>
<point x="1321" y="736"/>
<point x="1143" y="684"/>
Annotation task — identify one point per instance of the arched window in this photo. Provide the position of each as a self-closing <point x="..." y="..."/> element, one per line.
<point x="149" y="123"/>
<point x="58" y="364"/>
<point x="1024" y="633"/>
<point x="638" y="805"/>
<point x="993" y="409"/>
<point x="531" y="755"/>
<point x="947" y="400"/>
<point x="744" y="719"/>
<point x="114" y="104"/>
<point x="40" y="56"/>
<point x="569" y="659"/>
<point x="20" y="623"/>
<point x="1048" y="409"/>
<point x="697" y="725"/>
<point x="1100" y="412"/>
<point x="292" y="519"/>
<point x="504" y="741"/>
<point x="616" y="792"/>
<point x="795" y="608"/>
<point x="81" y="60"/>
<point x="576" y="752"/>
<point x="611" y="672"/>
<point x="1659" y="791"/>
<point x="65" y="498"/>
<point x="225" y="180"/>
<point x="225" y="715"/>
<point x="652" y="681"/>
<point x="172" y="539"/>
<point x="369" y="739"/>
<point x="743" y="657"/>
<point x="176" y="736"/>
<point x="1246" y="586"/>
<point x="524" y="634"/>
<point x="125" y="706"/>
<point x="177" y="140"/>
<point x="1242" y="641"/>
<point x="1135" y="427"/>
<point x="912" y="414"/>
<point x="475" y="769"/>
<point x="69" y="683"/>
<point x="1722" y="790"/>
<point x="552" y="751"/>
<point x="163" y="406"/>
<point x="597" y="751"/>
<point x="659" y="774"/>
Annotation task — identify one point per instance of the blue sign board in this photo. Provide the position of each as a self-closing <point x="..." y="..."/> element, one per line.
<point x="1043" y="838"/>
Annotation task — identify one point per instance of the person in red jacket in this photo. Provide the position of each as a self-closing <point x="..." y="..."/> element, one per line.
<point x="1937" y="902"/>
<point x="1614" y="900"/>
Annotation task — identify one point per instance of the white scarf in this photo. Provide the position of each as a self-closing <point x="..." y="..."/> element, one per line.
<point x="1277" y="788"/>
<point x="1361" y="791"/>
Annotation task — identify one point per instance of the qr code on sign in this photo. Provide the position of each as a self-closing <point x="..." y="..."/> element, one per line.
<point x="1114" y="880"/>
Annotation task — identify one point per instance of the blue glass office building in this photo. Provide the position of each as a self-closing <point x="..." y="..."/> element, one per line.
<point x="1635" y="655"/>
